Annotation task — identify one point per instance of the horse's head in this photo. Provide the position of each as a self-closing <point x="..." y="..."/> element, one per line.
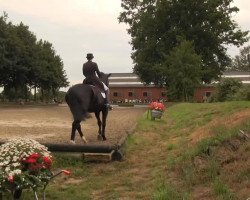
<point x="105" y="78"/>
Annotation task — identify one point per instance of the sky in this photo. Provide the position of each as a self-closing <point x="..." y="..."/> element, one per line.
<point x="78" y="27"/>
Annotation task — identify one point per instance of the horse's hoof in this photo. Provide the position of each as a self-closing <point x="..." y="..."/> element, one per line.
<point x="99" y="137"/>
<point x="72" y="142"/>
<point x="104" y="138"/>
<point x="84" y="139"/>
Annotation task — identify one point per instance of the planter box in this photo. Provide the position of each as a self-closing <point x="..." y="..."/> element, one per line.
<point x="156" y="114"/>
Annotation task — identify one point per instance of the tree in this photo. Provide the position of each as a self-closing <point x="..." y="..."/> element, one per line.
<point x="24" y="58"/>
<point x="48" y="73"/>
<point x="4" y="35"/>
<point x="156" y="25"/>
<point x="241" y="62"/>
<point x="183" y="71"/>
<point x="16" y="57"/>
<point x="26" y="63"/>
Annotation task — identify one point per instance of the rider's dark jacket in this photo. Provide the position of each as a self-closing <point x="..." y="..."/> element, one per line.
<point x="90" y="69"/>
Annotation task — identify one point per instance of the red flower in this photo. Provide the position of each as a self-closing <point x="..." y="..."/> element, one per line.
<point x="160" y="106"/>
<point x="156" y="106"/>
<point x="32" y="158"/>
<point x="153" y="105"/>
<point x="35" y="166"/>
<point x="47" y="161"/>
<point x="11" y="179"/>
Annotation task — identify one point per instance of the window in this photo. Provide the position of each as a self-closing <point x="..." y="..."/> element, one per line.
<point x="163" y="94"/>
<point x="115" y="94"/>
<point x="130" y="94"/>
<point x="208" y="94"/>
<point x="145" y="94"/>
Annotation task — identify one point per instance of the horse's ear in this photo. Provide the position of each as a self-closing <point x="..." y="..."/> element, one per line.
<point x="109" y="74"/>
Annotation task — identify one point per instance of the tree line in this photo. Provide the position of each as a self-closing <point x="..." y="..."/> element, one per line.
<point x="27" y="63"/>
<point x="181" y="44"/>
<point x="241" y="62"/>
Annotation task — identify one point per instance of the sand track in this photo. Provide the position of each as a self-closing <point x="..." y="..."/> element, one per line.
<point x="53" y="123"/>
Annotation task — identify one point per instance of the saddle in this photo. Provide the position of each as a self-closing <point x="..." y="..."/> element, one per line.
<point x="97" y="92"/>
<point x="99" y="95"/>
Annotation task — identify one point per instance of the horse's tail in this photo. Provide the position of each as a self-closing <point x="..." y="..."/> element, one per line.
<point x="75" y="106"/>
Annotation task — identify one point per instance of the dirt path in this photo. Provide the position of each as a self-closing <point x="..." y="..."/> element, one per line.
<point x="53" y="123"/>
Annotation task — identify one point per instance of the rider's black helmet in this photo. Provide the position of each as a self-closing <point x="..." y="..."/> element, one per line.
<point x="90" y="56"/>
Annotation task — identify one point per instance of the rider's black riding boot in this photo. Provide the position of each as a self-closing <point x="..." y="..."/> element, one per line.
<point x="107" y="101"/>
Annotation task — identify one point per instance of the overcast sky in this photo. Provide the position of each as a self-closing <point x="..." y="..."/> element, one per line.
<point x="77" y="27"/>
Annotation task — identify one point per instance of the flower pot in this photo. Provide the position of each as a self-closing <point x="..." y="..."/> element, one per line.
<point x="156" y="114"/>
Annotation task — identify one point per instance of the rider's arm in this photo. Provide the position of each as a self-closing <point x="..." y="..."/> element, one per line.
<point x="98" y="71"/>
<point x="82" y="70"/>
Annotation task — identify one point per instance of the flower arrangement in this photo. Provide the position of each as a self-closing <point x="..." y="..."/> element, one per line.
<point x="25" y="163"/>
<point x="156" y="110"/>
<point x="156" y="106"/>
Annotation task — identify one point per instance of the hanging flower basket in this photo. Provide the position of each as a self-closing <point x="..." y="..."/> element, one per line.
<point x="156" y="110"/>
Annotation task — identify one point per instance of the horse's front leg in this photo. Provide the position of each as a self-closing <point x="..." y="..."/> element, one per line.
<point x="99" y="122"/>
<point x="104" y="118"/>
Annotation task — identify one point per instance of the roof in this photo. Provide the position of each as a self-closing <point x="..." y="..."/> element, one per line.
<point x="133" y="80"/>
<point x="244" y="77"/>
<point x="126" y="80"/>
<point x="235" y="73"/>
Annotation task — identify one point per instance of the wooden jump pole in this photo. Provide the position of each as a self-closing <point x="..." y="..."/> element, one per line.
<point x="114" y="150"/>
<point x="85" y="148"/>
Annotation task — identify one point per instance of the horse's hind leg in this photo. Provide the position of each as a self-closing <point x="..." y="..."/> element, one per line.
<point x="104" y="118"/>
<point x="80" y="132"/>
<point x="73" y="131"/>
<point x="99" y="122"/>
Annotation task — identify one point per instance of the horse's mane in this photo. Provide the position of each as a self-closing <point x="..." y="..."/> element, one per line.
<point x="102" y="74"/>
<point x="104" y="77"/>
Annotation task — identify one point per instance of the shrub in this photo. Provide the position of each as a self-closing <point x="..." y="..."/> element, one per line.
<point x="227" y="90"/>
<point x="242" y="94"/>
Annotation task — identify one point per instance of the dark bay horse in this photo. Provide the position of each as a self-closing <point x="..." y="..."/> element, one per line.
<point x="83" y="99"/>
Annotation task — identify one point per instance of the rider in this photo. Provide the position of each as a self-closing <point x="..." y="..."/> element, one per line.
<point x="91" y="72"/>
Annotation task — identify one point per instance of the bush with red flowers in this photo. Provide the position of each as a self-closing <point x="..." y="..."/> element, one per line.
<point x="35" y="162"/>
<point x="25" y="163"/>
<point x="156" y="106"/>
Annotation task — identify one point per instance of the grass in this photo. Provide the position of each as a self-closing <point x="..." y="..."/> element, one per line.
<point x="162" y="163"/>
<point x="170" y="147"/>
<point x="221" y="134"/>
<point x="222" y="191"/>
<point x="165" y="191"/>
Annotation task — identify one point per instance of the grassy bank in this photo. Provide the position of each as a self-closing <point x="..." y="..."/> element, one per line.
<point x="196" y="151"/>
